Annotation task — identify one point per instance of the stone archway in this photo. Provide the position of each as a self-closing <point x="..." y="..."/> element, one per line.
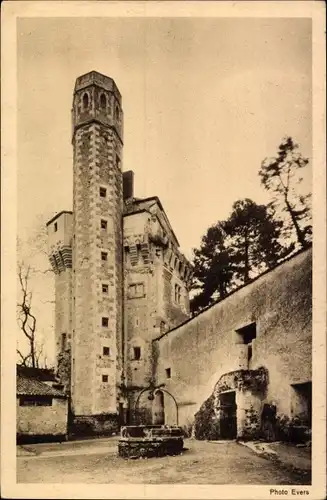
<point x="155" y="395"/>
<point x="241" y="416"/>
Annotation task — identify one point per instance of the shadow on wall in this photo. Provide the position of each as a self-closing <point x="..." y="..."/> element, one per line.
<point x="237" y="409"/>
<point x="234" y="408"/>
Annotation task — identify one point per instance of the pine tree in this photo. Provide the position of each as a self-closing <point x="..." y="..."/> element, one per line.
<point x="212" y="270"/>
<point x="281" y="176"/>
<point x="234" y="251"/>
<point x="254" y="237"/>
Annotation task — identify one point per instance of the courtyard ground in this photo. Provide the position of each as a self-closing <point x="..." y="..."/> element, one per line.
<point x="202" y="462"/>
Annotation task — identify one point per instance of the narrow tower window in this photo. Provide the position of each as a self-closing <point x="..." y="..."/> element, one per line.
<point x="168" y="372"/>
<point x="137" y="353"/>
<point x="85" y="101"/>
<point x="103" y="101"/>
<point x="63" y="341"/>
<point x="102" y="192"/>
<point x="117" y="112"/>
<point x="55" y="227"/>
<point x="104" y="378"/>
<point x="104" y="256"/>
<point x="106" y="351"/>
<point x="103" y="224"/>
<point x="105" y="322"/>
<point x="105" y="288"/>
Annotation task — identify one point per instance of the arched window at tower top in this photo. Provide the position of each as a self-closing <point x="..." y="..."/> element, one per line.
<point x="85" y="101"/>
<point x="117" y="112"/>
<point x="103" y="101"/>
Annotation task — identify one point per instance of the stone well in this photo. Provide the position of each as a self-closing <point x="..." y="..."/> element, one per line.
<point x="138" y="441"/>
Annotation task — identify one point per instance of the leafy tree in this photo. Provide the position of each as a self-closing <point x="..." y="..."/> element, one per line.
<point x="281" y="176"/>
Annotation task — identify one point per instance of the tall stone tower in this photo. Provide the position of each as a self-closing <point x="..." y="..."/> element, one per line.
<point x="120" y="278"/>
<point x="60" y="237"/>
<point x="97" y="286"/>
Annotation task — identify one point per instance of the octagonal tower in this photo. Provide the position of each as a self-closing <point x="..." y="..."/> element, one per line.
<point x="97" y="120"/>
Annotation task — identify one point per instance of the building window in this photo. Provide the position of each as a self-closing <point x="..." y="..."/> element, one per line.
<point x="117" y="112"/>
<point x="63" y="341"/>
<point x="104" y="224"/>
<point x="105" y="322"/>
<point x="117" y="162"/>
<point x="106" y="351"/>
<point x="136" y="291"/>
<point x="55" y="227"/>
<point x="168" y="372"/>
<point x="105" y="378"/>
<point x="85" y="101"/>
<point x="104" y="256"/>
<point x="178" y="294"/>
<point x="102" y="192"/>
<point x="35" y="401"/>
<point x="137" y="353"/>
<point x="103" y="101"/>
<point x="246" y="335"/>
<point x="105" y="288"/>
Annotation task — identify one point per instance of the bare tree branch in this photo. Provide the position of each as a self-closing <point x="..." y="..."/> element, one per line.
<point x="23" y="358"/>
<point x="26" y="319"/>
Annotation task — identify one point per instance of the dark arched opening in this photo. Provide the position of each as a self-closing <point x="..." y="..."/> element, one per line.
<point x="117" y="112"/>
<point x="85" y="101"/>
<point x="103" y="101"/>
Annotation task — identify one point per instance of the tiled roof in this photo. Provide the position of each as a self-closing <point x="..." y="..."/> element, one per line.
<point x="33" y="387"/>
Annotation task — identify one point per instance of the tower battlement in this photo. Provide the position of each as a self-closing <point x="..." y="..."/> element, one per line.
<point x="60" y="233"/>
<point x="102" y="81"/>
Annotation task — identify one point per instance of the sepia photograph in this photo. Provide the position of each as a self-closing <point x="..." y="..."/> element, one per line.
<point x="162" y="272"/>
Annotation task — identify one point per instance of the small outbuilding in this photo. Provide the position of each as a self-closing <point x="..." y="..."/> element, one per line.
<point x="42" y="406"/>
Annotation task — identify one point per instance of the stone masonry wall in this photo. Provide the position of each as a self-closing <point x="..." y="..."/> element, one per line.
<point x="63" y="325"/>
<point x="149" y="305"/>
<point x="97" y="164"/>
<point x="200" y="351"/>
<point x="46" y="420"/>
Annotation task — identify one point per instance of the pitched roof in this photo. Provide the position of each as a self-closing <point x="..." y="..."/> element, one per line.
<point x="31" y="382"/>
<point x="33" y="387"/>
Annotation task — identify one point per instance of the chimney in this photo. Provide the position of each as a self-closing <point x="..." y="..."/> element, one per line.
<point x="128" y="184"/>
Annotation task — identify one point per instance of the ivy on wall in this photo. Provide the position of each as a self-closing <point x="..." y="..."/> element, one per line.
<point x="206" y="423"/>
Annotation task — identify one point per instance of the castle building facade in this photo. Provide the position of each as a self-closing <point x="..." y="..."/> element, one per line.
<point x="120" y="279"/>
<point x="127" y="350"/>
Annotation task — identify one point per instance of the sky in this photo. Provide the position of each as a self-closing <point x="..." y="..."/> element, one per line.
<point x="205" y="100"/>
